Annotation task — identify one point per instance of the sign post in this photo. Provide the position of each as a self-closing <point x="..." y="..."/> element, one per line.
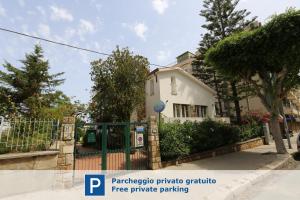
<point x="159" y="107"/>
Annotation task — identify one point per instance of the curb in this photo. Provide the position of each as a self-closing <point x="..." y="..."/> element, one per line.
<point x="286" y="163"/>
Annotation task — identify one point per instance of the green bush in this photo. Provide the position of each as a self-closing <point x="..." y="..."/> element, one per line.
<point x="178" y="140"/>
<point x="174" y="140"/>
<point x="210" y="134"/>
<point x="250" y="131"/>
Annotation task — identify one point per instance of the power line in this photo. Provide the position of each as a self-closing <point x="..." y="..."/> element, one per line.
<point x="62" y="44"/>
<point x="54" y="42"/>
<point x="78" y="48"/>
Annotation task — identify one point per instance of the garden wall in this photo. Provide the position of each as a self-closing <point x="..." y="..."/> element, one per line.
<point x="40" y="160"/>
<point x="240" y="146"/>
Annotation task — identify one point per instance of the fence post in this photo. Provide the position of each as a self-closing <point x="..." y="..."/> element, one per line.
<point x="66" y="144"/>
<point x="104" y="147"/>
<point x="127" y="146"/>
<point x="153" y="144"/>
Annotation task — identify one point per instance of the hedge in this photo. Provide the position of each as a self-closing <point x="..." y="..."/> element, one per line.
<point x="178" y="140"/>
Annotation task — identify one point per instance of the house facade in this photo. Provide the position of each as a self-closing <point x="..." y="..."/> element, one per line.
<point x="186" y="97"/>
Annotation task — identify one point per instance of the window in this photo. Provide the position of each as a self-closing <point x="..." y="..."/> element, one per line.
<point x="151" y="87"/>
<point x="176" y="110"/>
<point x="201" y="111"/>
<point x="198" y="111"/>
<point x="185" y="111"/>
<point x="173" y="85"/>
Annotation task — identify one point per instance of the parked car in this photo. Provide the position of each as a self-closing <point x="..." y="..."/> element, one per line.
<point x="298" y="142"/>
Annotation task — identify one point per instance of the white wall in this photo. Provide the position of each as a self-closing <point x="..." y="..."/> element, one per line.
<point x="188" y="92"/>
<point x="151" y="100"/>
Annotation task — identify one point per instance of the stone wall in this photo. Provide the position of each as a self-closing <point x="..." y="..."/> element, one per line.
<point x="66" y="144"/>
<point x="153" y="144"/>
<point x="41" y="160"/>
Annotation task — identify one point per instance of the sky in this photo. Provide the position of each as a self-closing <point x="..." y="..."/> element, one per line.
<point x="157" y="29"/>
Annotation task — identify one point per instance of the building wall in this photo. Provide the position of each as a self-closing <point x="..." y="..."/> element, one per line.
<point x="152" y="99"/>
<point x="186" y="65"/>
<point x="255" y="105"/>
<point x="188" y="92"/>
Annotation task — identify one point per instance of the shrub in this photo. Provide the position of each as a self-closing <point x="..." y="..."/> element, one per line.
<point x="178" y="140"/>
<point x="210" y="134"/>
<point x="251" y="131"/>
<point x="174" y="140"/>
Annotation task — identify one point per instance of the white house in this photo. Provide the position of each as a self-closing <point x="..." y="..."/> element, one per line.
<point x="186" y="97"/>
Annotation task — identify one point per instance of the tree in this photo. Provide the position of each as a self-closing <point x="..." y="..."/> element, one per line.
<point x="222" y="19"/>
<point x="28" y="88"/>
<point x="268" y="59"/>
<point x="119" y="85"/>
<point x="60" y="105"/>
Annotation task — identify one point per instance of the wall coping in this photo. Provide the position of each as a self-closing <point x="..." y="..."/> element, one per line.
<point x="248" y="141"/>
<point x="8" y="156"/>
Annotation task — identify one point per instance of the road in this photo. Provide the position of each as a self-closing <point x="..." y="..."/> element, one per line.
<point x="279" y="186"/>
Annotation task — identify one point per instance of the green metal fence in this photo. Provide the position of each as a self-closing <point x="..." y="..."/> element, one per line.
<point x="24" y="135"/>
<point x="111" y="146"/>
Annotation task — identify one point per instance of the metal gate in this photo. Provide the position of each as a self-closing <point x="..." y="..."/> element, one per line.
<point x="111" y="146"/>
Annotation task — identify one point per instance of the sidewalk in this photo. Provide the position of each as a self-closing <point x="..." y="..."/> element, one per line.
<point x="262" y="157"/>
<point x="257" y="163"/>
<point x="242" y="173"/>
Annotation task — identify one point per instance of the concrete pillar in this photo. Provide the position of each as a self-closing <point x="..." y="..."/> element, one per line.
<point x="66" y="144"/>
<point x="153" y="144"/>
<point x="267" y="133"/>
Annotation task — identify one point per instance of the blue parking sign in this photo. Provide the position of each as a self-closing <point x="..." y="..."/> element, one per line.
<point x="94" y="185"/>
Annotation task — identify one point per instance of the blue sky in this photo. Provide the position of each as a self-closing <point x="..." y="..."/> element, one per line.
<point x="157" y="29"/>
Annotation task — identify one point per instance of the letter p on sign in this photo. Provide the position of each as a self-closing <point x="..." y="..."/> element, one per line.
<point x="94" y="185"/>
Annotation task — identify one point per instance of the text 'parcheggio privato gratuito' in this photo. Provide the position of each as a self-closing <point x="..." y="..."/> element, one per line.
<point x="161" y="185"/>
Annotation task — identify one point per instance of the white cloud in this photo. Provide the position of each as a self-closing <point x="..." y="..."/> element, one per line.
<point x="60" y="14"/>
<point x="160" y="5"/>
<point x="44" y="30"/>
<point x="85" y="26"/>
<point x="140" y="29"/>
<point x="163" y="55"/>
<point x="2" y="11"/>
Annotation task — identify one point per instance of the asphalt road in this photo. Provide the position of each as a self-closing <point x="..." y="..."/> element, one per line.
<point x="279" y="186"/>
